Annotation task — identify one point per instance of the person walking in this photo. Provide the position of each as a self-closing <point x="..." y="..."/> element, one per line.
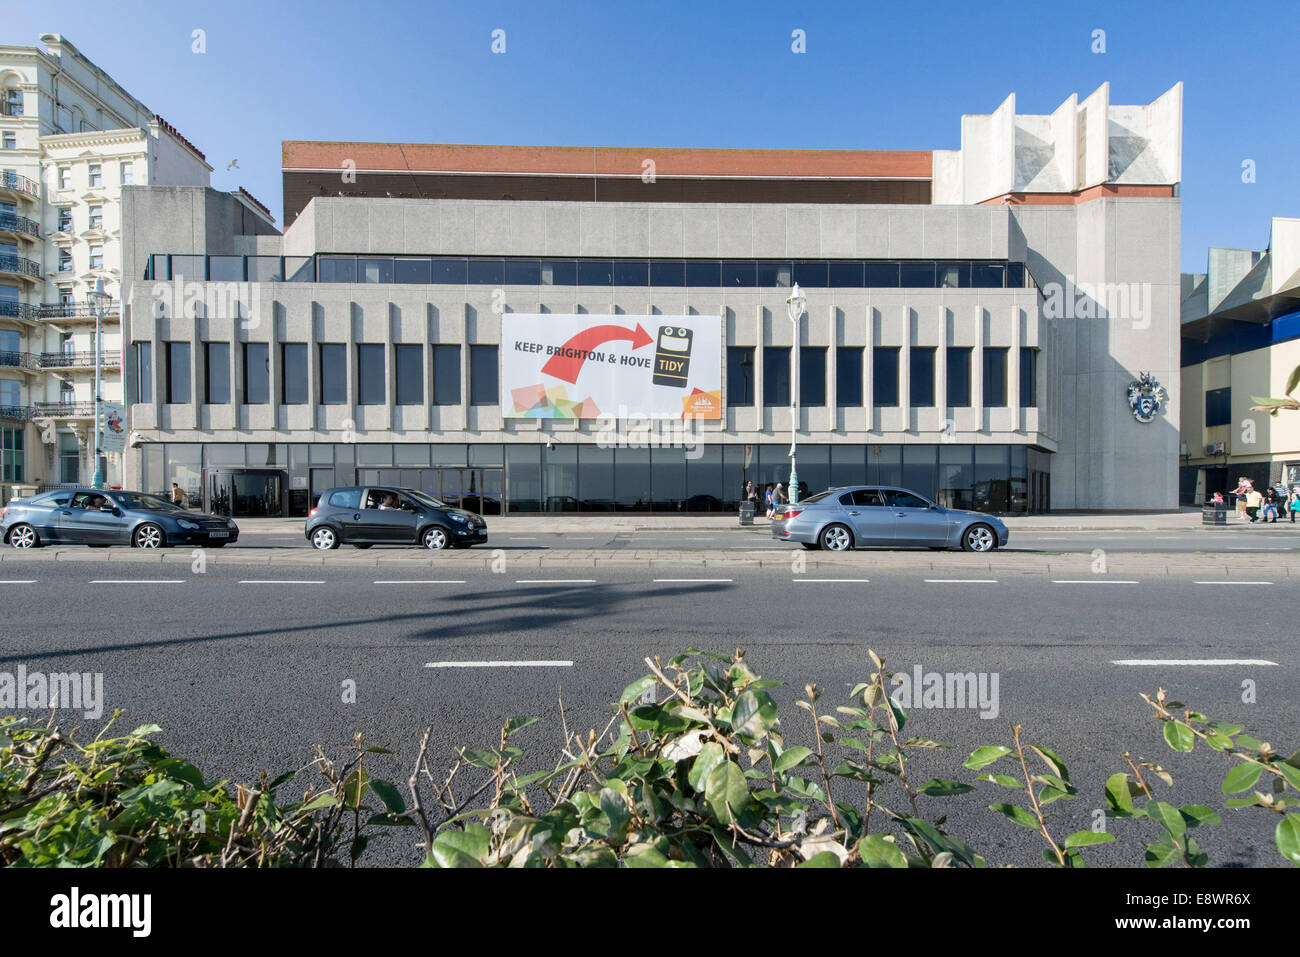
<point x="1241" y="491"/>
<point x="178" y="495"/>
<point x="1269" y="510"/>
<point x="779" y="497"/>
<point x="1293" y="503"/>
<point x="1254" y="499"/>
<point x="767" y="497"/>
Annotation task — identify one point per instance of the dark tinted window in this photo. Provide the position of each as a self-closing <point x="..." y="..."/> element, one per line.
<point x="350" y="498"/>
<point x="1028" y="377"/>
<point x="740" y="375"/>
<point x="1218" y="407"/>
<point x="451" y="272"/>
<point x="812" y="376"/>
<point x="1015" y="275"/>
<point x="868" y="498"/>
<point x="487" y="272"/>
<point x="706" y="273"/>
<point x="413" y="271"/>
<point x="370" y="375"/>
<point x="337" y="268"/>
<point x="905" y="499"/>
<point x="881" y="275"/>
<point x="483" y="375"/>
<point x="995" y="377"/>
<point x="776" y="375"/>
<point x="848" y="376"/>
<point x="741" y="274"/>
<point x="523" y="272"/>
<point x="216" y="373"/>
<point x="884" y="376"/>
<point x="920" y="379"/>
<point x="58" y="498"/>
<point x="914" y="275"/>
<point x="333" y="373"/>
<point x="294" y="385"/>
<point x="958" y="384"/>
<point x="952" y="275"/>
<point x="771" y="274"/>
<point x="178" y="372"/>
<point x="559" y="272"/>
<point x="810" y="274"/>
<point x="446" y="375"/>
<point x="667" y="273"/>
<point x="410" y="374"/>
<point x="375" y="270"/>
<point x="987" y="275"/>
<point x="631" y="273"/>
<point x="144" y="371"/>
<point x="846" y="275"/>
<point x="257" y="373"/>
<point x="595" y="272"/>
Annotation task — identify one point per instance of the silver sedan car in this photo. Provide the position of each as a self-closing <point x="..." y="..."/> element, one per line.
<point x="844" y="518"/>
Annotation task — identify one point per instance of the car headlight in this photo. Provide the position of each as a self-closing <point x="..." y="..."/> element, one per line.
<point x="458" y="518"/>
<point x="186" y="524"/>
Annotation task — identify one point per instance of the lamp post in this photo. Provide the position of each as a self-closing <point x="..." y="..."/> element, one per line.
<point x="98" y="304"/>
<point x="796" y="304"/>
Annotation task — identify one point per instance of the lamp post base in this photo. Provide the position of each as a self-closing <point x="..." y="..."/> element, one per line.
<point x="793" y="492"/>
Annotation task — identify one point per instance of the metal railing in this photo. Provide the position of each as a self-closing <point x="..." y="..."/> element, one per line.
<point x="77" y="310"/>
<point x="14" y="223"/>
<point x="65" y="410"/>
<point x="20" y="264"/>
<point x="20" y="413"/>
<point x="20" y="184"/>
<point x="79" y="360"/>
<point x="19" y="360"/>
<point x="13" y="309"/>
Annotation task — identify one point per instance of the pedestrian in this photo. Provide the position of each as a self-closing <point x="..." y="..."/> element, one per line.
<point x="1253" y="501"/>
<point x="751" y="496"/>
<point x="1217" y="499"/>
<point x="1293" y="503"/>
<point x="1269" y="511"/>
<point x="1242" y="489"/>
<point x="178" y="495"/>
<point x="767" y="498"/>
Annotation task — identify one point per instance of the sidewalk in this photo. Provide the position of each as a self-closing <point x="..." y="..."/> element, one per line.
<point x="1185" y="520"/>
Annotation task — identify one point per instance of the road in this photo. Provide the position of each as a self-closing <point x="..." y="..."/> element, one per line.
<point x="244" y="666"/>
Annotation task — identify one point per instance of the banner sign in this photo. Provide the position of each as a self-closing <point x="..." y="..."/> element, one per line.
<point x="114" y="424"/>
<point x="588" y="367"/>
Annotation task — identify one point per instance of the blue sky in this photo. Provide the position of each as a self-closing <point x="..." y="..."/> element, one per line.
<point x="703" y="73"/>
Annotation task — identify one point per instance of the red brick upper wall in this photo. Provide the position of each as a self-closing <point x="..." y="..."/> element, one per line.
<point x="608" y="161"/>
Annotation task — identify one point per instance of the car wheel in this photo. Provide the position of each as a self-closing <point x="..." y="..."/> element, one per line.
<point x="979" y="538"/>
<point x="358" y="545"/>
<point x="435" y="537"/>
<point x="836" y="538"/>
<point x="148" y="536"/>
<point x="811" y="546"/>
<point x="325" y="538"/>
<point x="24" y="536"/>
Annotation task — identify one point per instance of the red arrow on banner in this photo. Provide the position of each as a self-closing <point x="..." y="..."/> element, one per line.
<point x="567" y="363"/>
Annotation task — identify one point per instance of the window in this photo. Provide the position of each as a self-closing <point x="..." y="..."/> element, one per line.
<point x="96" y="256"/>
<point x="1028" y="377"/>
<point x="901" y="499"/>
<point x="96" y="175"/>
<point x="333" y="373"/>
<point x="410" y="374"/>
<point x="848" y="376"/>
<point x="10" y="394"/>
<point x="65" y="260"/>
<point x="293" y="387"/>
<point x="483" y="375"/>
<point x="128" y="174"/>
<point x="144" y="371"/>
<point x="776" y="375"/>
<point x="370" y="375"/>
<point x="13" y="102"/>
<point x="216" y="373"/>
<point x="1218" y="407"/>
<point x="812" y="376"/>
<point x="350" y="498"/>
<point x="97" y="217"/>
<point x="740" y="376"/>
<point x="884" y="376"/>
<point x="257" y="373"/>
<point x="446" y="375"/>
<point x="10" y="141"/>
<point x="920" y="378"/>
<point x="178" y="373"/>
<point x="65" y="177"/>
<point x="65" y="220"/>
<point x="11" y="455"/>
<point x="375" y="270"/>
<point x="995" y="377"/>
<point x="958" y="384"/>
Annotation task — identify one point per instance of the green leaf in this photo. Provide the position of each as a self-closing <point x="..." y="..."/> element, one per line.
<point x="1084" y="838"/>
<point x="1287" y="837"/>
<point x="1160" y="855"/>
<point x="1241" y="777"/>
<point x="1293" y="380"/>
<point x="1224" y="728"/>
<point x="636" y="689"/>
<point x="1117" y="793"/>
<point x="479" y="758"/>
<point x="754" y="713"/>
<point x="1017" y="815"/>
<point x="942" y="787"/>
<point x="467" y="848"/>
<point x="319" y="801"/>
<point x="791" y="758"/>
<point x="1168" y="816"/>
<point x="982" y="757"/>
<point x="900" y="716"/>
<point x="143" y="730"/>
<point x="389" y="795"/>
<point x="518" y="724"/>
<point x="710" y="756"/>
<point x="1006" y="780"/>
<point x="1235" y="803"/>
<point x="875" y="851"/>
<point x="1053" y="759"/>
<point x="822" y="859"/>
<point x="1290" y="772"/>
<point x="1179" y="737"/>
<point x="1197" y="814"/>
<point x="726" y="791"/>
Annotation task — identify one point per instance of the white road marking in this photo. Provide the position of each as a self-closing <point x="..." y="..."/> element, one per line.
<point x="18" y="581"/>
<point x="498" y="664"/>
<point x="555" y="581"/>
<point x="858" y="581"/>
<point x="964" y="581"/>
<point x="522" y="538"/>
<point x="1194" y="662"/>
<point x="699" y="581"/>
<point x="1233" y="582"/>
<point x="1093" y="581"/>
<point x="280" y="581"/>
<point x="1258" y="548"/>
<point x="138" y="581"/>
<point x="418" y="581"/>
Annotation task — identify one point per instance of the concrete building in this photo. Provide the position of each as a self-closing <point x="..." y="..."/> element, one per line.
<point x="1241" y="338"/>
<point x="974" y="319"/>
<point x="71" y="138"/>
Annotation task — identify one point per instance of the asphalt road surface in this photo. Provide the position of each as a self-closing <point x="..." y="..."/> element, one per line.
<point x="244" y="666"/>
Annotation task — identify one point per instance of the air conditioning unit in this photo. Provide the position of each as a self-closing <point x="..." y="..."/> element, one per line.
<point x="1214" y="449"/>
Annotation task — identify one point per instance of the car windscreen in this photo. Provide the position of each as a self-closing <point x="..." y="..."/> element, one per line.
<point x="426" y="500"/>
<point x="150" y="503"/>
<point x="813" y="498"/>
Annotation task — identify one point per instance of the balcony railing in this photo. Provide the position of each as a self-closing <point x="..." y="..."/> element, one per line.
<point x="20" y="184"/>
<point x="12" y="222"/>
<point x="77" y="310"/>
<point x="63" y="410"/>
<point x="18" y="360"/>
<point x="17" y="413"/>
<point x="13" y="309"/>
<point x="21" y="265"/>
<point x="79" y="360"/>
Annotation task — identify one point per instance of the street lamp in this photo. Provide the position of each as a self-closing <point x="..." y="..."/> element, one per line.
<point x="795" y="303"/>
<point x="99" y="305"/>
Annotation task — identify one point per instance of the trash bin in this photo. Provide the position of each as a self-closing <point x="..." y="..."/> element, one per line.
<point x="1214" y="515"/>
<point x="746" y="513"/>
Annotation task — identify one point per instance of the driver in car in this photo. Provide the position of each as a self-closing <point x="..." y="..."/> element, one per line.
<point x="388" y="501"/>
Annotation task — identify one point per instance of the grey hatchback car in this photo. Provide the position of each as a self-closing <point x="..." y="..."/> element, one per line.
<point x="102" y="517"/>
<point x="843" y="518"/>
<point x="365" y="515"/>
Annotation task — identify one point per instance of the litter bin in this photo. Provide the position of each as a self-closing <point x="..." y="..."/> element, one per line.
<point x="1214" y="515"/>
<point x="746" y="513"/>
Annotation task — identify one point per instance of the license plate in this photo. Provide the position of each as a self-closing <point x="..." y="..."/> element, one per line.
<point x="218" y="534"/>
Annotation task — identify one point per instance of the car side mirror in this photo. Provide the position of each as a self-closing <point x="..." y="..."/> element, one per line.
<point x="108" y="508"/>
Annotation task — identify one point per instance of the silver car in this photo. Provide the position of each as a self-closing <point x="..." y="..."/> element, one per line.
<point x="844" y="518"/>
